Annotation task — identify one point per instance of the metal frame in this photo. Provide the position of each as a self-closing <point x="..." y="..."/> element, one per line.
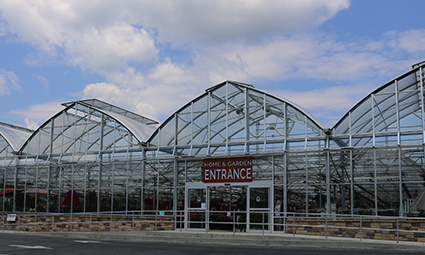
<point x="374" y="156"/>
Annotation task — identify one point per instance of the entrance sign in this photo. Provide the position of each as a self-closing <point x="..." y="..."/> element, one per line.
<point x="228" y="170"/>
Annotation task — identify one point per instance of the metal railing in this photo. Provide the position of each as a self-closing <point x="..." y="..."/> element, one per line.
<point x="360" y="226"/>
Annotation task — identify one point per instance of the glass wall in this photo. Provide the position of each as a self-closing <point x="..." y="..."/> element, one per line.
<point x="95" y="157"/>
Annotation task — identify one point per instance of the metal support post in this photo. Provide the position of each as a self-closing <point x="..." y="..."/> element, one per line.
<point x="326" y="227"/>
<point x="398" y="233"/>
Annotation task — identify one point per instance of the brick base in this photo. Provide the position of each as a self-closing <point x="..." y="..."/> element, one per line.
<point x="83" y="223"/>
<point x="409" y="230"/>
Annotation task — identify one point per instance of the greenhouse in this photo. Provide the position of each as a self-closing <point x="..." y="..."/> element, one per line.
<point x="233" y="148"/>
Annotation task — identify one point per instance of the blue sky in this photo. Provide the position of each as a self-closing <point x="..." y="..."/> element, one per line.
<point x="153" y="56"/>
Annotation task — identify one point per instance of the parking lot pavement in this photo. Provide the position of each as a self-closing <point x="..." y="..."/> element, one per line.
<point x="230" y="238"/>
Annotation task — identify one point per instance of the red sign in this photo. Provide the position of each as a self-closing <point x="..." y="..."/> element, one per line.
<point x="228" y="170"/>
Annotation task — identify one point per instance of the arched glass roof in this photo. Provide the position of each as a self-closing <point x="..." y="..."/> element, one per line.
<point x="85" y="129"/>
<point x="394" y="107"/>
<point x="117" y="111"/>
<point x="13" y="136"/>
<point x="233" y="112"/>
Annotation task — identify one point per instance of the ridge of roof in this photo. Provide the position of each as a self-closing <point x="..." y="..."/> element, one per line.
<point x="16" y="127"/>
<point x="15" y="136"/>
<point x="99" y="104"/>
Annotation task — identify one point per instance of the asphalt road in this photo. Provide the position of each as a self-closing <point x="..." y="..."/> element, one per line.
<point x="42" y="244"/>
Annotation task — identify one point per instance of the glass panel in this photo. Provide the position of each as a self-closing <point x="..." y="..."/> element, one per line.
<point x="361" y="117"/>
<point x="167" y="133"/>
<point x="219" y="198"/>
<point x="165" y="201"/>
<point x="197" y="202"/>
<point x="184" y="128"/>
<point x="194" y="171"/>
<point x="296" y="123"/>
<point x="120" y="201"/>
<point x="410" y="111"/>
<point x="279" y="170"/>
<point x="259" y="198"/>
<point x="408" y="82"/>
<point x="220" y="215"/>
<point x="228" y="205"/>
<point x="238" y="205"/>
<point x="263" y="168"/>
<point x="197" y="198"/>
<point x="259" y="221"/>
<point x="196" y="219"/>
<point x="385" y="113"/>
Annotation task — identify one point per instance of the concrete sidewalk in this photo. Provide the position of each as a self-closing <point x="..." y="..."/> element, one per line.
<point x="230" y="238"/>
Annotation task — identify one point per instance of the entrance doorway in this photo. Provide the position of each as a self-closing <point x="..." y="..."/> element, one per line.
<point x="245" y="207"/>
<point x="227" y="205"/>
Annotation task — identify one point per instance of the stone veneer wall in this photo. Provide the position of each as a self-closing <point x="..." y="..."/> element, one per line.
<point x="409" y="229"/>
<point x="85" y="223"/>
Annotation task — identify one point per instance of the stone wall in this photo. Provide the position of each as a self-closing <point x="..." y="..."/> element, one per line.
<point x="383" y="229"/>
<point x="80" y="222"/>
<point x="408" y="229"/>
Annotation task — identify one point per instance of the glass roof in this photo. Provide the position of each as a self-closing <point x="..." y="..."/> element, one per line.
<point x="235" y="112"/>
<point x="14" y="136"/>
<point x="141" y="131"/>
<point x="393" y="107"/>
<point x="83" y="128"/>
<point x="96" y="103"/>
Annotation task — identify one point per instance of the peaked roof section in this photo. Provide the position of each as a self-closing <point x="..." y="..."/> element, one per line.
<point x="140" y="126"/>
<point x="299" y="108"/>
<point x="14" y="135"/>
<point x="385" y="102"/>
<point x="137" y="125"/>
<point x="98" y="104"/>
<point x="199" y="114"/>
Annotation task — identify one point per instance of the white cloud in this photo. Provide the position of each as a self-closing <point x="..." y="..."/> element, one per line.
<point x="410" y="41"/>
<point x="109" y="49"/>
<point x="240" y="20"/>
<point x="167" y="86"/>
<point x="134" y="44"/>
<point x="339" y="98"/>
<point x="170" y="73"/>
<point x="105" y="35"/>
<point x="43" y="81"/>
<point x="328" y="104"/>
<point x="35" y="115"/>
<point x="103" y="91"/>
<point x="117" y="39"/>
<point x="3" y="28"/>
<point x="31" y="124"/>
<point x="8" y="81"/>
<point x="159" y="100"/>
<point x="314" y="56"/>
<point x="79" y="32"/>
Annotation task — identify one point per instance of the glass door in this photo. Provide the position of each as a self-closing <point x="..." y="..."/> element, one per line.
<point x="219" y="208"/>
<point x="259" y="209"/>
<point x="239" y="205"/>
<point x="227" y="205"/>
<point x="196" y="208"/>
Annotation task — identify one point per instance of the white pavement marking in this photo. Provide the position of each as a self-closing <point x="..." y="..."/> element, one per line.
<point x="30" y="247"/>
<point x="86" y="241"/>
